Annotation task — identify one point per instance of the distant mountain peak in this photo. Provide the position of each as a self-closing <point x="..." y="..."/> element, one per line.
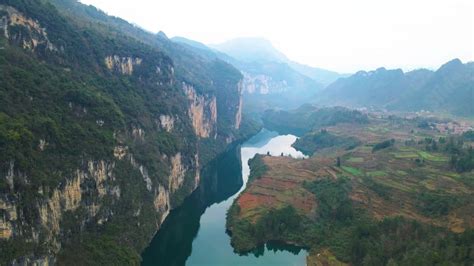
<point x="261" y="51"/>
<point x="451" y="65"/>
<point x="251" y="49"/>
<point x="361" y="73"/>
<point x="449" y="89"/>
<point x="162" y="35"/>
<point x="456" y="61"/>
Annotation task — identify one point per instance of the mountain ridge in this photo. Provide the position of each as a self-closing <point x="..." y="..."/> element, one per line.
<point x="104" y="128"/>
<point x="448" y="89"/>
<point x="261" y="50"/>
<point x="270" y="79"/>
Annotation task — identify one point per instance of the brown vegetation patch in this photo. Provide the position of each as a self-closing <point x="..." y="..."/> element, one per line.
<point x="276" y="184"/>
<point x="281" y="185"/>
<point x="386" y="183"/>
<point x="249" y="201"/>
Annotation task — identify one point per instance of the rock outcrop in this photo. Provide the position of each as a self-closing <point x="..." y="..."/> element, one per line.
<point x="22" y="30"/>
<point x="177" y="174"/>
<point x="114" y="133"/>
<point x="262" y="84"/>
<point x="166" y="122"/>
<point x="123" y="65"/>
<point x="202" y="111"/>
<point x="54" y="202"/>
<point x="238" y="113"/>
<point x="143" y="172"/>
<point x="120" y="152"/>
<point x="162" y="203"/>
<point x="8" y="218"/>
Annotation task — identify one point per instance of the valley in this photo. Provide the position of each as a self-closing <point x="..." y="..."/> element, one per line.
<point x="104" y="129"/>
<point x="120" y="145"/>
<point x="199" y="224"/>
<point x="395" y="175"/>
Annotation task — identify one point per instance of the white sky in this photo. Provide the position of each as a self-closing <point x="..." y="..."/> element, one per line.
<point x="341" y="35"/>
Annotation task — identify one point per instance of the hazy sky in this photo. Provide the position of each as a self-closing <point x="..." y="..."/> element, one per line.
<point x="341" y="35"/>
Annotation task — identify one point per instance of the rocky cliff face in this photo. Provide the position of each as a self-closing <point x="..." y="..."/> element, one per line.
<point x="110" y="140"/>
<point x="202" y="111"/>
<point x="238" y="113"/>
<point x="51" y="205"/>
<point x="123" y="65"/>
<point x="23" y="30"/>
<point x="87" y="190"/>
<point x="275" y="85"/>
<point x="263" y="84"/>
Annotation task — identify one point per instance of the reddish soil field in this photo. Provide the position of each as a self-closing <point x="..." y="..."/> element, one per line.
<point x="249" y="201"/>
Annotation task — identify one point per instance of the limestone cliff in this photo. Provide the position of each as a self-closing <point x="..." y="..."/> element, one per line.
<point x="166" y="122"/>
<point x="202" y="111"/>
<point x="9" y="217"/>
<point x="205" y="112"/>
<point x="238" y="113"/>
<point x="263" y="84"/>
<point x="52" y="203"/>
<point x="123" y="65"/>
<point x="105" y="132"/>
<point x="23" y="30"/>
<point x="91" y="189"/>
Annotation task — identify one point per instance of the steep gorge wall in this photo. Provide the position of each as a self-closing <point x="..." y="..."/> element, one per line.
<point x="90" y="193"/>
<point x="202" y="112"/>
<point x="11" y="24"/>
<point x="238" y="112"/>
<point x="263" y="84"/>
<point x="126" y="192"/>
<point x="207" y="115"/>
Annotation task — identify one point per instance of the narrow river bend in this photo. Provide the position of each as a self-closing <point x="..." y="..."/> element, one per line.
<point x="194" y="233"/>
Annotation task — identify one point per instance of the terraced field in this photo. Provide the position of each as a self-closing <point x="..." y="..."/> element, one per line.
<point x="406" y="180"/>
<point x="399" y="177"/>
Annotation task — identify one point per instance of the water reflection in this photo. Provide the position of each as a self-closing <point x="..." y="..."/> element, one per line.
<point x="274" y="246"/>
<point x="261" y="139"/>
<point x="173" y="243"/>
<point x="194" y="234"/>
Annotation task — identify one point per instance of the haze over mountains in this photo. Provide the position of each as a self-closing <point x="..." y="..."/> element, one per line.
<point x="105" y="128"/>
<point x="262" y="50"/>
<point x="271" y="80"/>
<point x="448" y="89"/>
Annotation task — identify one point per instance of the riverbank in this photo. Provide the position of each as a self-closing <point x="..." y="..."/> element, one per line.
<point x="198" y="226"/>
<point x="381" y="202"/>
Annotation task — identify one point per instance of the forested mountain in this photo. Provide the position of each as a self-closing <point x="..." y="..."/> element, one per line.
<point x="104" y="128"/>
<point x="308" y="118"/>
<point x="448" y="89"/>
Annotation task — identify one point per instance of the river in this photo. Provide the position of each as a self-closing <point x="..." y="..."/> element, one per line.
<point x="194" y="233"/>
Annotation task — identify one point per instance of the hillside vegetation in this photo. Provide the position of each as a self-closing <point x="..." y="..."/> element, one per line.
<point x="308" y="118"/>
<point x="449" y="89"/>
<point x="397" y="198"/>
<point x="104" y="129"/>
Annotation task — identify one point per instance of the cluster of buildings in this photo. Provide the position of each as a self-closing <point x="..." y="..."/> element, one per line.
<point x="453" y="127"/>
